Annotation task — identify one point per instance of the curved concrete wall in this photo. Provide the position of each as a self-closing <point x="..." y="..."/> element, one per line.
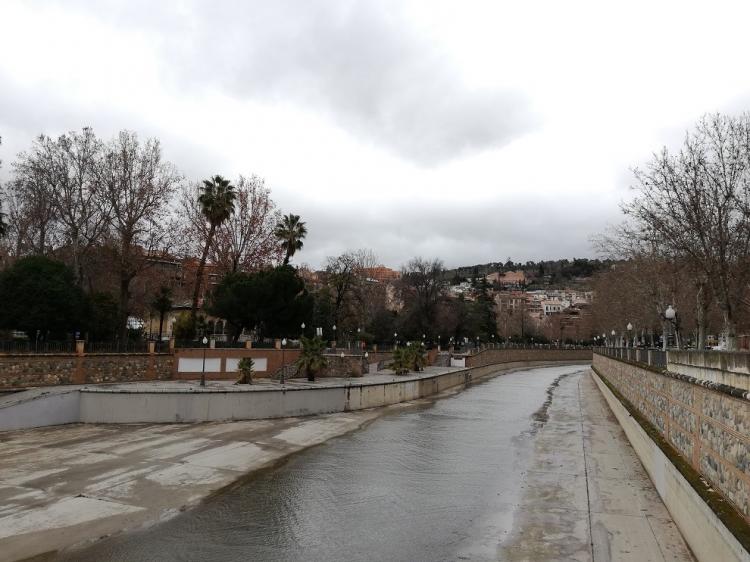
<point x="171" y="407"/>
<point x="104" y="406"/>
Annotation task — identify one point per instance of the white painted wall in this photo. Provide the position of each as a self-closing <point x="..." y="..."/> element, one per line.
<point x="195" y="365"/>
<point x="260" y="364"/>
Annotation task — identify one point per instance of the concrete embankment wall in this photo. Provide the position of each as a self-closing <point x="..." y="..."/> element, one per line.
<point x="102" y="406"/>
<point x="496" y="356"/>
<point x="99" y="406"/>
<point x="707" y="429"/>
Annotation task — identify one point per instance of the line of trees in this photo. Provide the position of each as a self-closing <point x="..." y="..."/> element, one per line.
<point x="686" y="238"/>
<point x="122" y="218"/>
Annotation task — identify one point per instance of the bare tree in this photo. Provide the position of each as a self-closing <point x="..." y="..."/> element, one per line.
<point x="697" y="204"/>
<point x="136" y="184"/>
<point x="354" y="298"/>
<point x="66" y="168"/>
<point x="33" y="216"/>
<point x="246" y="241"/>
<point x="424" y="280"/>
<point x="342" y="276"/>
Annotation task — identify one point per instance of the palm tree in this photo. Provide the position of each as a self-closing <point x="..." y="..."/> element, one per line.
<point x="290" y="230"/>
<point x="311" y="359"/>
<point x="217" y="205"/>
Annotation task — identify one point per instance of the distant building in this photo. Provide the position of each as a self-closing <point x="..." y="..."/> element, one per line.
<point x="510" y="300"/>
<point x="381" y="274"/>
<point x="507" y="278"/>
<point x="552" y="307"/>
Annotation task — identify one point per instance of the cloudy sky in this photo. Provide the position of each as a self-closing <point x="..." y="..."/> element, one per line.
<point x="473" y="131"/>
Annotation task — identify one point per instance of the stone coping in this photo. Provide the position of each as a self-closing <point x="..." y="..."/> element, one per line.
<point x="718" y="387"/>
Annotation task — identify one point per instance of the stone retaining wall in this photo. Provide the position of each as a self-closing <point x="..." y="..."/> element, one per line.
<point x="709" y="427"/>
<point x="494" y="356"/>
<point x="19" y="371"/>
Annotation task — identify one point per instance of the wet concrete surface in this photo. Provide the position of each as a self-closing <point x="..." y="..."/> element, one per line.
<point x="65" y="485"/>
<point x="526" y="466"/>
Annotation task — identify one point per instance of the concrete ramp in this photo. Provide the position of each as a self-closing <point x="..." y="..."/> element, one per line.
<point x="39" y="407"/>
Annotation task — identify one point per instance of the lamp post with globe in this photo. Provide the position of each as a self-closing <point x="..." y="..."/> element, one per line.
<point x="670" y="315"/>
<point x="203" y="371"/>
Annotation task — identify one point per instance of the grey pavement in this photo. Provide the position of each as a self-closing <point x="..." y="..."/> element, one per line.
<point x="586" y="496"/>
<point x="65" y="485"/>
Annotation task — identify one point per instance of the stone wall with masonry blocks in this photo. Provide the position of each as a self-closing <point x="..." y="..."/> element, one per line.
<point x="708" y="426"/>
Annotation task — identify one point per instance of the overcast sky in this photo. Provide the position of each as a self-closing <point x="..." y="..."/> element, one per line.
<point x="470" y="131"/>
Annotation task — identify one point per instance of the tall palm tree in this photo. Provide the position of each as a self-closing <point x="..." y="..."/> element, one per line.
<point x="216" y="200"/>
<point x="291" y="231"/>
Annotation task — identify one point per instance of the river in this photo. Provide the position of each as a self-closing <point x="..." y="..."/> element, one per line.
<point x="439" y="481"/>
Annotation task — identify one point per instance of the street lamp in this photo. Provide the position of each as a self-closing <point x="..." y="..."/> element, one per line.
<point x="630" y="333"/>
<point x="670" y="315"/>
<point x="303" y="330"/>
<point x="334" y="335"/>
<point x="203" y="371"/>
<point x="613" y="338"/>
<point x="395" y="339"/>
<point x="283" y="362"/>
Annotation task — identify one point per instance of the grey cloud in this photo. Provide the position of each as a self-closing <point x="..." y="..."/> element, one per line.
<point x="464" y="234"/>
<point x="360" y="63"/>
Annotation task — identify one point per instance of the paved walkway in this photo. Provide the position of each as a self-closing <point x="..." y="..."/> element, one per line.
<point x="586" y="496"/>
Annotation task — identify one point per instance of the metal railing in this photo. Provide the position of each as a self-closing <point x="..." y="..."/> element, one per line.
<point x="31" y="347"/>
<point x="651" y="357"/>
<point x="138" y="346"/>
<point x="11" y="347"/>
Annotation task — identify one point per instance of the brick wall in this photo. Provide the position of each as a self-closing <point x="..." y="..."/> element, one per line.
<point x="708" y="427"/>
<point x="18" y="371"/>
<point x="275" y="359"/>
<point x="350" y="365"/>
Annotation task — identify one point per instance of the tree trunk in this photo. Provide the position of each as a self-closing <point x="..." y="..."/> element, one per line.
<point x="701" y="306"/>
<point x="161" y="323"/>
<point x="730" y="329"/>
<point x="124" y="301"/>
<point x="199" y="274"/>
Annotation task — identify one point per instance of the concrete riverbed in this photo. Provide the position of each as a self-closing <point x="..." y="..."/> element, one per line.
<point x="527" y="466"/>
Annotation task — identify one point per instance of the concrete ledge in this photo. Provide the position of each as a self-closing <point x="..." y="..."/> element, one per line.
<point x="707" y="536"/>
